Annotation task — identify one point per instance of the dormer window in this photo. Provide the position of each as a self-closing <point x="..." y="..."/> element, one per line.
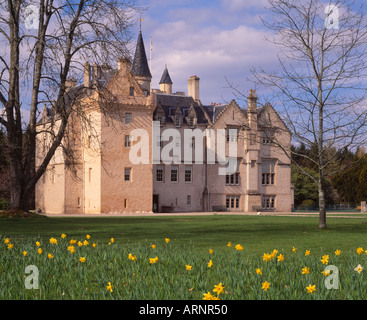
<point x="160" y="118"/>
<point x="178" y="120"/>
<point x="191" y="122"/>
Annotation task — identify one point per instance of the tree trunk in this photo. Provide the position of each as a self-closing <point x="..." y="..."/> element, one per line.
<point x="322" y="209"/>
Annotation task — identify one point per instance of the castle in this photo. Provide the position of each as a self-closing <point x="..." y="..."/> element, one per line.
<point x="138" y="149"/>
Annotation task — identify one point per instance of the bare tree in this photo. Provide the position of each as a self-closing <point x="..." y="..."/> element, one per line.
<point x="320" y="82"/>
<point x="45" y="45"/>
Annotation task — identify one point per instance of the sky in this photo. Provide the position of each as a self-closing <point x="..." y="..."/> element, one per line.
<point x="219" y="41"/>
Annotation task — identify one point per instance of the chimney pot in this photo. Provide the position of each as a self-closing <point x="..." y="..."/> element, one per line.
<point x="87" y="75"/>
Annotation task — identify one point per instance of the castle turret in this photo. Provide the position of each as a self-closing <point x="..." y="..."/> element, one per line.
<point x="140" y="67"/>
<point x="165" y="84"/>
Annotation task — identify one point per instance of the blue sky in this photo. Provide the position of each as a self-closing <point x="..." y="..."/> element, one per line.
<point x="214" y="40"/>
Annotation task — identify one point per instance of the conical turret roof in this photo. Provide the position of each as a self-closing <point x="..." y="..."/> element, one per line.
<point x="165" y="77"/>
<point x="140" y="65"/>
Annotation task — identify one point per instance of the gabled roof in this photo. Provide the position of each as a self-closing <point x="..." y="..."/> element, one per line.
<point x="140" y="65"/>
<point x="165" y="77"/>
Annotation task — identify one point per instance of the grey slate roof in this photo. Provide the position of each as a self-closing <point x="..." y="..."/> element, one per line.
<point x="169" y="103"/>
<point x="140" y="65"/>
<point x="165" y="77"/>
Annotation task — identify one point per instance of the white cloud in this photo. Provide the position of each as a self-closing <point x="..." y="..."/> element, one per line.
<point x="238" y="5"/>
<point x="210" y="53"/>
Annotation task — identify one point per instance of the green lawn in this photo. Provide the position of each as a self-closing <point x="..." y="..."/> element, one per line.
<point x="257" y="234"/>
<point x="130" y="268"/>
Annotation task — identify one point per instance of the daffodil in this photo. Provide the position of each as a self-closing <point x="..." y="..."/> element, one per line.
<point x="72" y="241"/>
<point x="218" y="288"/>
<point x="281" y="257"/>
<point x="167" y="240"/>
<point x="211" y="251"/>
<point x="325" y="259"/>
<point x="188" y="267"/>
<point x="87" y="236"/>
<point x="210" y="263"/>
<point x="10" y="246"/>
<point x="307" y="252"/>
<point x="24" y="253"/>
<point x="85" y="242"/>
<point x="358" y="268"/>
<point x="39" y="251"/>
<point x="294" y="249"/>
<point x="359" y="250"/>
<point x="265" y="285"/>
<point x="266" y="257"/>
<point x="71" y="249"/>
<point x="207" y="296"/>
<point x="238" y="247"/>
<point x="131" y="257"/>
<point x="311" y="288"/>
<point x="50" y="256"/>
<point x="94" y="245"/>
<point x="258" y="271"/>
<point x="337" y="252"/>
<point x="154" y="246"/>
<point x="325" y="272"/>
<point x="112" y="240"/>
<point x="6" y="240"/>
<point x="63" y="236"/>
<point x="109" y="287"/>
<point x="38" y="243"/>
<point x="53" y="240"/>
<point x="305" y="270"/>
<point x="82" y="259"/>
<point x="153" y="260"/>
<point x="229" y="244"/>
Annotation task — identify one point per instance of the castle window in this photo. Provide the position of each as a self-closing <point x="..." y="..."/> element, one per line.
<point x="159" y="173"/>
<point x="178" y="121"/>
<point x="192" y="143"/>
<point x="232" y="202"/>
<point x="127" y="118"/>
<point x="90" y="175"/>
<point x="174" y="173"/>
<point x="127" y="141"/>
<point x="188" y="174"/>
<point x="268" y="202"/>
<point x="160" y="118"/>
<point x="132" y="91"/>
<point x="233" y="179"/>
<point x="127" y="176"/>
<point x="232" y="135"/>
<point x="268" y="172"/>
<point x="267" y="136"/>
<point x="191" y="121"/>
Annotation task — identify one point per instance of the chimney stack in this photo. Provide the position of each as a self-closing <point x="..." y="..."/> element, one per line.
<point x="193" y="87"/>
<point x="87" y="77"/>
<point x="96" y="74"/>
<point x="252" y="110"/>
<point x="252" y="101"/>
